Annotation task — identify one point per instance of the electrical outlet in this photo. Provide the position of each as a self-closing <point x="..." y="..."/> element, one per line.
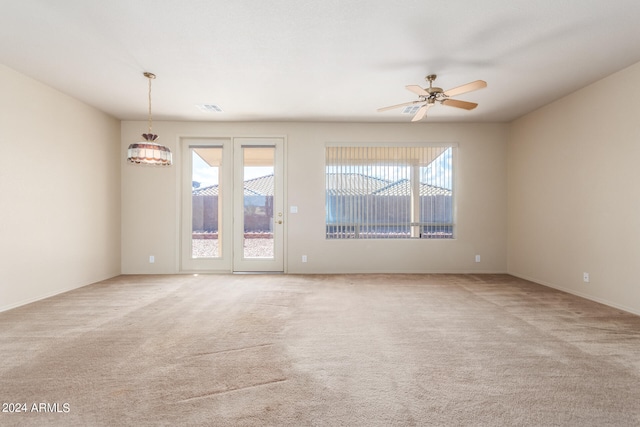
<point x="585" y="277"/>
<point x="477" y="258"/>
<point x="152" y="259"/>
<point x="304" y="258"/>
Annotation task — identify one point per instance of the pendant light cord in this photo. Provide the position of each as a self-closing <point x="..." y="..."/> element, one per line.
<point x="150" y="119"/>
<point x="150" y="76"/>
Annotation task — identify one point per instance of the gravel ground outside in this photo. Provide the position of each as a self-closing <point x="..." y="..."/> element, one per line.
<point x="253" y="248"/>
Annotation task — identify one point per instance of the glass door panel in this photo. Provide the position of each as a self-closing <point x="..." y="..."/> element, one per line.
<point x="206" y="194"/>
<point x="258" y="187"/>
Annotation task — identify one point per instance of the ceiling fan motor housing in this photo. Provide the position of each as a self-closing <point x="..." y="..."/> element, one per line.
<point x="433" y="91"/>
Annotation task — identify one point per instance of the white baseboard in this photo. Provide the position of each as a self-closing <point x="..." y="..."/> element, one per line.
<point x="39" y="298"/>
<point x="579" y="294"/>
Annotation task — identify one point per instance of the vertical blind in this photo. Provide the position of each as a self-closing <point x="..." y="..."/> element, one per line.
<point x="389" y="192"/>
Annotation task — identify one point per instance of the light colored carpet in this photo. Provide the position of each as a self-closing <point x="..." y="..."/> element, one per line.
<point x="320" y="350"/>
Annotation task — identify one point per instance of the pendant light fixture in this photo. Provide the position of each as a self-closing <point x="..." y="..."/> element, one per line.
<point x="148" y="151"/>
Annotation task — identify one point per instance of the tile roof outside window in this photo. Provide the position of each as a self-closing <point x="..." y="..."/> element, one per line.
<point x="360" y="185"/>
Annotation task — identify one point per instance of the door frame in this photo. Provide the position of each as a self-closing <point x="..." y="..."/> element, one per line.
<point x="226" y="263"/>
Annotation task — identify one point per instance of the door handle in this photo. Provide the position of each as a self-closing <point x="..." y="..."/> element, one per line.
<point x="280" y="222"/>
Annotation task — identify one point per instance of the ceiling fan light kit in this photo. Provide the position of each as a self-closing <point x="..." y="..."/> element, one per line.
<point x="429" y="96"/>
<point x="148" y="151"/>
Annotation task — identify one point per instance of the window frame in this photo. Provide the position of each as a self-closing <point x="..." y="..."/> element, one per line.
<point x="446" y="230"/>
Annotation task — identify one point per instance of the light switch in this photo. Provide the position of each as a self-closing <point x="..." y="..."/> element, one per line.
<point x="294" y="209"/>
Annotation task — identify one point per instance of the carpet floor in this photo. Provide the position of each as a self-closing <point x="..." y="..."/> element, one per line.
<point x="319" y="350"/>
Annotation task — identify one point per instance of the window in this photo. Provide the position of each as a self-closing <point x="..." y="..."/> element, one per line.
<point x="389" y="192"/>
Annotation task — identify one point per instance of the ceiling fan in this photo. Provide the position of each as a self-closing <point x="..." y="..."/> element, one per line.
<point x="429" y="96"/>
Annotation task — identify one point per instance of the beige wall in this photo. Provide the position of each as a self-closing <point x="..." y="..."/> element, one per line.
<point x="60" y="194"/>
<point x="150" y="199"/>
<point x="574" y="203"/>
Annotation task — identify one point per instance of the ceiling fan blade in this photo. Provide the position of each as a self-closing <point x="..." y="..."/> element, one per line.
<point x="459" y="104"/>
<point x="478" y="84"/>
<point x="404" y="104"/>
<point x="417" y="90"/>
<point x="421" y="113"/>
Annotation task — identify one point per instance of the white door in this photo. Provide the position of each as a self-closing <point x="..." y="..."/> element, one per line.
<point x="207" y="205"/>
<point x="258" y="222"/>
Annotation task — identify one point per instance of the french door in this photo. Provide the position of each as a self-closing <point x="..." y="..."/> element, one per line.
<point x="232" y="205"/>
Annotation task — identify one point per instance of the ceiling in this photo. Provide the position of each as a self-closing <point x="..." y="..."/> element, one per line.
<point x="329" y="60"/>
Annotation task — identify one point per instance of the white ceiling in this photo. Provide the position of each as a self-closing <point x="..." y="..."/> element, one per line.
<point x="329" y="60"/>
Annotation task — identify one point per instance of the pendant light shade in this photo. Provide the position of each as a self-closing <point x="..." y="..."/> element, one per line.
<point x="148" y="151"/>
